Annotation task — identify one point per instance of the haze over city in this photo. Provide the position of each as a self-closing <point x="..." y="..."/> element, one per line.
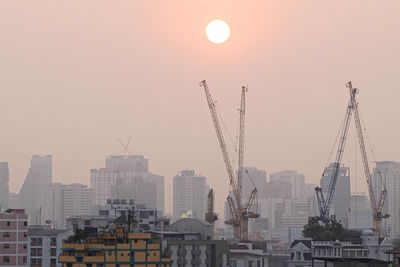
<point x="76" y="75"/>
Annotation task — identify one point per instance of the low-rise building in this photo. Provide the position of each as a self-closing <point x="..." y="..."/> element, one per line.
<point x="247" y="254"/>
<point x="44" y="245"/>
<point x="193" y="225"/>
<point x="148" y="219"/>
<point x="198" y="252"/>
<point x="304" y="251"/>
<point x="14" y="238"/>
<point x="136" y="249"/>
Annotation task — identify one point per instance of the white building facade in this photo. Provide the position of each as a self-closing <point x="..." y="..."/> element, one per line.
<point x="388" y="173"/>
<point x="190" y="195"/>
<point x="341" y="197"/>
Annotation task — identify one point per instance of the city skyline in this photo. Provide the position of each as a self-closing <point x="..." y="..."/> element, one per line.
<point x="75" y="84"/>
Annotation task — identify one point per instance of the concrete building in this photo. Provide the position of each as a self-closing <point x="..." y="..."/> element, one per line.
<point x="190" y="194"/>
<point x="292" y="177"/>
<point x="302" y="251"/>
<point x="245" y="254"/>
<point x="341" y="198"/>
<point x="55" y="207"/>
<point x="277" y="189"/>
<point x="360" y="215"/>
<point x="253" y="177"/>
<point x="13" y="238"/>
<point x="147" y="219"/>
<point x="198" y="252"/>
<point x="137" y="249"/>
<point x="123" y="170"/>
<point x="33" y="193"/>
<point x="193" y="225"/>
<point x="388" y="173"/>
<point x="44" y="246"/>
<point x="77" y="200"/>
<point x="4" y="190"/>
<point x="13" y="201"/>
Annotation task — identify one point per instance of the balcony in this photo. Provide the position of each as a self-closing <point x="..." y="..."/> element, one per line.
<point x="196" y="252"/>
<point x="181" y="252"/>
<point x="66" y="259"/>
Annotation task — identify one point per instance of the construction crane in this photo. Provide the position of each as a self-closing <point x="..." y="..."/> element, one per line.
<point x="210" y="215"/>
<point x="324" y="205"/>
<point x="239" y="212"/>
<point x="377" y="207"/>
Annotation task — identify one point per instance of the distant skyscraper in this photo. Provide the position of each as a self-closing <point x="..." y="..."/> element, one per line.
<point x="388" y="173"/>
<point x="124" y="169"/>
<point x="33" y="193"/>
<point x="360" y="212"/>
<point x="4" y="190"/>
<point x="190" y="194"/>
<point x="294" y="178"/>
<point x="341" y="197"/>
<point x="55" y="208"/>
<point x="143" y="192"/>
<point x="253" y="177"/>
<point x="13" y="202"/>
<point x="78" y="200"/>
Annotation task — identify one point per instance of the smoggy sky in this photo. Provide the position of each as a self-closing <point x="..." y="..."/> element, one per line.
<point x="74" y="75"/>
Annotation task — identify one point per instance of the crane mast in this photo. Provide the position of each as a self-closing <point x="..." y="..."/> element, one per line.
<point x="242" y="112"/>
<point x="239" y="211"/>
<point x="376" y="208"/>
<point x="221" y="140"/>
<point x="211" y="216"/>
<point x="324" y="206"/>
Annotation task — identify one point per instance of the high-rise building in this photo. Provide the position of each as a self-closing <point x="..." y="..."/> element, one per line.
<point x="190" y="194"/>
<point x="33" y="193"/>
<point x="253" y="177"/>
<point x="341" y="197"/>
<point x="4" y="190"/>
<point x="292" y="177"/>
<point x="277" y="189"/>
<point x="360" y="212"/>
<point x="388" y="173"/>
<point x="78" y="200"/>
<point x="13" y="201"/>
<point x="55" y="208"/>
<point x="13" y="238"/>
<point x="122" y="171"/>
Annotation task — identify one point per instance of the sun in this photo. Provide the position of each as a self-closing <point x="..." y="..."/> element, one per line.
<point x="218" y="31"/>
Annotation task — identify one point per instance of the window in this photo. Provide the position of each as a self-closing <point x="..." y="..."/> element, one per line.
<point x="87" y="222"/>
<point x="25" y="246"/>
<point x="8" y="223"/>
<point x="24" y="259"/>
<point x="53" y="240"/>
<point x="53" y="251"/>
<point x="6" y="259"/>
<point x="53" y="261"/>
<point x="25" y="223"/>
<point x="25" y="234"/>
<point x="6" y="234"/>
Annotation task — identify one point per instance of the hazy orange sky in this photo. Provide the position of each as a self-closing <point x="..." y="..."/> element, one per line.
<point x="74" y="75"/>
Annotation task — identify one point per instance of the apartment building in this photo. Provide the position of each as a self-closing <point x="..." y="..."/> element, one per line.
<point x="13" y="238"/>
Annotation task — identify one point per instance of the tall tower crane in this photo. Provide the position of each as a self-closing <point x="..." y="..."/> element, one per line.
<point x="210" y="215"/>
<point x="377" y="207"/>
<point x="324" y="205"/>
<point x="240" y="212"/>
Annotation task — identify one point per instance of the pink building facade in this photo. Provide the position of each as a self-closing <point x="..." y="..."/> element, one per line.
<point x="14" y="238"/>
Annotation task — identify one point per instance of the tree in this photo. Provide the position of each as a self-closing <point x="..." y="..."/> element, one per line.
<point x="330" y="232"/>
<point x="79" y="236"/>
